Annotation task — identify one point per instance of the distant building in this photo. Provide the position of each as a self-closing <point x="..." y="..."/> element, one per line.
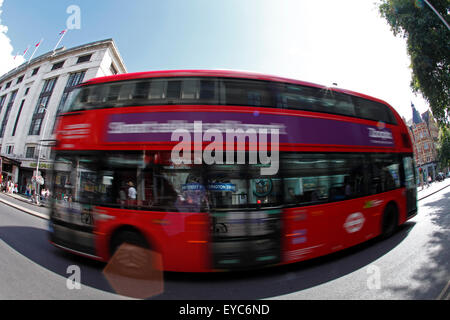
<point x="432" y="125"/>
<point x="31" y="96"/>
<point x="424" y="133"/>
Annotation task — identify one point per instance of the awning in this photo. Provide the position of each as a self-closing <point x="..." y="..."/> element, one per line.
<point x="6" y="160"/>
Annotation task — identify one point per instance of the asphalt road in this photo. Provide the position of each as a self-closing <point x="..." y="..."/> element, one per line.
<point x="412" y="264"/>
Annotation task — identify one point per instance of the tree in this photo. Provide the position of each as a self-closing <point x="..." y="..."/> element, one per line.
<point x="428" y="45"/>
<point x="443" y="155"/>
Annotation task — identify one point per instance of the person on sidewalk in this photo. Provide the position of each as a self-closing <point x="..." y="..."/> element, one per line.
<point x="10" y="187"/>
<point x="43" y="194"/>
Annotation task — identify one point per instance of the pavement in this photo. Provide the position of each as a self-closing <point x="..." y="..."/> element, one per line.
<point x="24" y="204"/>
<point x="432" y="188"/>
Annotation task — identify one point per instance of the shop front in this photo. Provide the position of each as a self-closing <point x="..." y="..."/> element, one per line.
<point x="27" y="175"/>
<point x="9" y="170"/>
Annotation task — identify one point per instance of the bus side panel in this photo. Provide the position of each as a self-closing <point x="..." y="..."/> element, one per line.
<point x="355" y="221"/>
<point x="181" y="238"/>
<point x="352" y="222"/>
<point x="305" y="233"/>
<point x="317" y="230"/>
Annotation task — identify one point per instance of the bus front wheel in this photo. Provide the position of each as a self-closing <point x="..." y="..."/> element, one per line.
<point x="129" y="236"/>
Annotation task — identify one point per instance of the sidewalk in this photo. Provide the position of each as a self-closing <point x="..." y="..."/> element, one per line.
<point x="433" y="188"/>
<point x="24" y="204"/>
<point x="26" y="199"/>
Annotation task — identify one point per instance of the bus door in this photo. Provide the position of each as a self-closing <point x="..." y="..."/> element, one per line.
<point x="245" y="214"/>
<point x="74" y="192"/>
<point x="307" y="184"/>
<point x="409" y="182"/>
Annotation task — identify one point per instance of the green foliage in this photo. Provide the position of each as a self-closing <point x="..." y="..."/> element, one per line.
<point x="428" y="43"/>
<point x="443" y="155"/>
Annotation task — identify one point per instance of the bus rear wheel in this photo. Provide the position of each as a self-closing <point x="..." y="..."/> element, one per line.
<point x="390" y="221"/>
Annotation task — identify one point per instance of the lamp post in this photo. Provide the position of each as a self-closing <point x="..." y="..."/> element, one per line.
<point x="39" y="155"/>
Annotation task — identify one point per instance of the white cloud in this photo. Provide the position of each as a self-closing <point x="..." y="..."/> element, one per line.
<point x="7" y="61"/>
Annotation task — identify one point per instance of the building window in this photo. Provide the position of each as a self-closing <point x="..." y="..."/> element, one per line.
<point x="58" y="65"/>
<point x="6" y="116"/>
<point x="35" y="127"/>
<point x="9" y="149"/>
<point x="48" y="86"/>
<point x="30" y="152"/>
<point x="8" y="85"/>
<point x="74" y="80"/>
<point x="20" y="79"/>
<point x="113" y="69"/>
<point x="35" y="71"/>
<point x="17" y="118"/>
<point x="2" y="102"/>
<point x="85" y="58"/>
<point x="41" y="106"/>
<point x="26" y="91"/>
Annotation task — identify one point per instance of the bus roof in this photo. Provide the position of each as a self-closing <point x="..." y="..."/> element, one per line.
<point x="223" y="74"/>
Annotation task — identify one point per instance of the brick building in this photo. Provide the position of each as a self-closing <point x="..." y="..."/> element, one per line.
<point x="424" y="133"/>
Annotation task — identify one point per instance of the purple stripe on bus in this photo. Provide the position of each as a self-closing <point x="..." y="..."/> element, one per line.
<point x="159" y="126"/>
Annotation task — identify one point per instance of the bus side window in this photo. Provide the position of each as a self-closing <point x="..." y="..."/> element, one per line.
<point x="343" y="105"/>
<point x="173" y="91"/>
<point x="373" y="110"/>
<point x="141" y="90"/>
<point x="113" y="93"/>
<point x="157" y="90"/>
<point x="189" y="89"/>
<point x="247" y="92"/>
<point x="315" y="178"/>
<point x="126" y="91"/>
<point x="385" y="173"/>
<point x="208" y="90"/>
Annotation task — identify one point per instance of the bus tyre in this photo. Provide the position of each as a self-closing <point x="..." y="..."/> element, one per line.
<point x="390" y="221"/>
<point x="130" y="237"/>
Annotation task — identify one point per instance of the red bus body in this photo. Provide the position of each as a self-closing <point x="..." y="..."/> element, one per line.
<point x="185" y="239"/>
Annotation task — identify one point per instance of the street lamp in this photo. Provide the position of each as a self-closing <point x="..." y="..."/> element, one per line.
<point x="39" y="155"/>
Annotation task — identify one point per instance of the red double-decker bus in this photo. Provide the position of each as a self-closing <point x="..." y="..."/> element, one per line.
<point x="267" y="170"/>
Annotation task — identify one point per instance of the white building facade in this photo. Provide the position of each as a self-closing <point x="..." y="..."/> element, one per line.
<point x="32" y="95"/>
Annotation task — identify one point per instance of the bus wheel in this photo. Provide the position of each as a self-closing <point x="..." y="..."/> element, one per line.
<point x="132" y="237"/>
<point x="390" y="221"/>
<point x="131" y="259"/>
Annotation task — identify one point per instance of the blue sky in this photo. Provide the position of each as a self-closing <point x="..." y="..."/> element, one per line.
<point x="318" y="41"/>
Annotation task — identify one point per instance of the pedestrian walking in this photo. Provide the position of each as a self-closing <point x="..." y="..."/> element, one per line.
<point x="10" y="187"/>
